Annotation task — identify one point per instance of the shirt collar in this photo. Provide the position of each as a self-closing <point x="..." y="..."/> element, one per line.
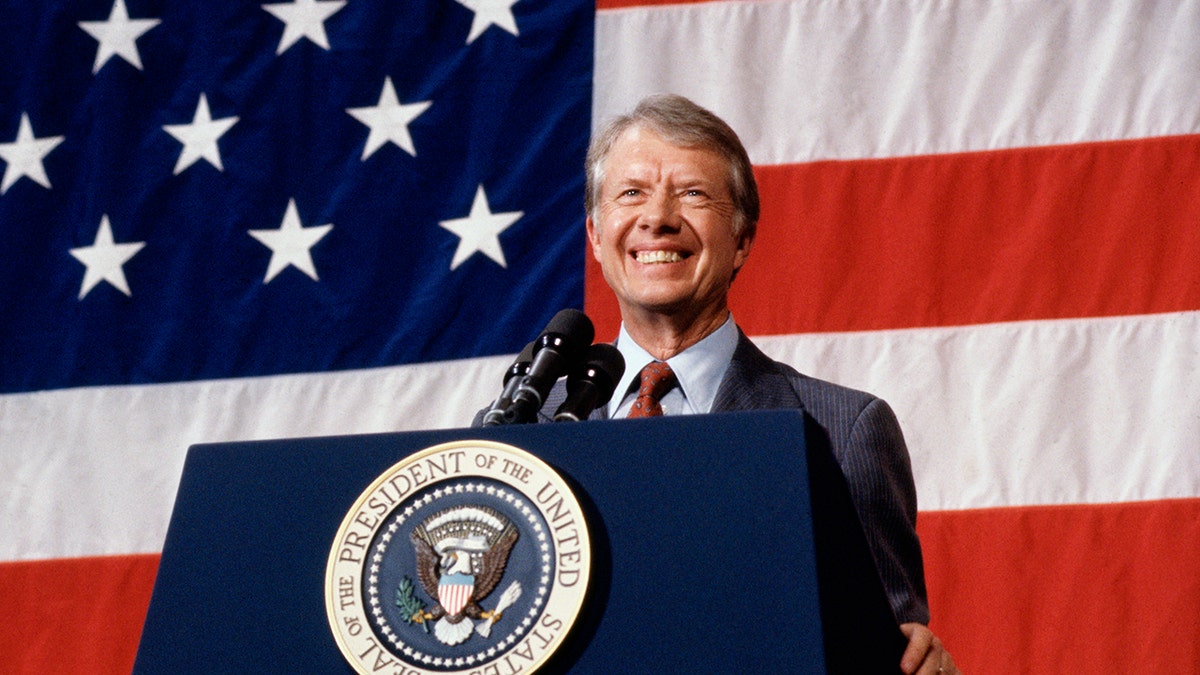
<point x="699" y="368"/>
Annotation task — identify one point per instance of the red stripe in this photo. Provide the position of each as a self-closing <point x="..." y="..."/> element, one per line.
<point x="1098" y="229"/>
<point x="454" y="597"/>
<point x="1067" y="589"/>
<point x="1083" y="588"/>
<point x="74" y="615"/>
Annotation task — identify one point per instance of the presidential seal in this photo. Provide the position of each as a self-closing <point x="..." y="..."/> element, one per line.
<point x="469" y="557"/>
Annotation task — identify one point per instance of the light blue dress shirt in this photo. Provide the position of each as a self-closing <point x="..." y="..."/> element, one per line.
<point x="699" y="369"/>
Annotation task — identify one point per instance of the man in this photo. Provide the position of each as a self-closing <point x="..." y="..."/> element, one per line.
<point x="672" y="208"/>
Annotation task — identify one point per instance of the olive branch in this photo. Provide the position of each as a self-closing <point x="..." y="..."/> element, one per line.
<point x="410" y="606"/>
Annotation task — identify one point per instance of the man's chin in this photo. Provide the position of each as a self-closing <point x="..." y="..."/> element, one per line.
<point x="662" y="304"/>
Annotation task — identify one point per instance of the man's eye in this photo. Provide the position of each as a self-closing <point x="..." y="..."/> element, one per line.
<point x="631" y="192"/>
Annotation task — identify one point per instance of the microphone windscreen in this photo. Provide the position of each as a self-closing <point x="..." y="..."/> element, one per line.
<point x="526" y="354"/>
<point x="607" y="366"/>
<point x="574" y="326"/>
<point x="520" y="366"/>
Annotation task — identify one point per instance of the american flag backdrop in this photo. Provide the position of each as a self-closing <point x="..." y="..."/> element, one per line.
<point x="238" y="220"/>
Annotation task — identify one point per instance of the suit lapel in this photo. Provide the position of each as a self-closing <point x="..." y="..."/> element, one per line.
<point x="753" y="382"/>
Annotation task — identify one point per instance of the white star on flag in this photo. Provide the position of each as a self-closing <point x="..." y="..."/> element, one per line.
<point x="24" y="156"/>
<point x="480" y="231"/>
<point x="290" y="244"/>
<point x="118" y="36"/>
<point x="388" y="120"/>
<point x="490" y="13"/>
<point x="200" y="137"/>
<point x="104" y="260"/>
<point x="304" y="19"/>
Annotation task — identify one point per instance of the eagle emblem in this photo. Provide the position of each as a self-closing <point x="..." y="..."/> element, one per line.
<point x="461" y="553"/>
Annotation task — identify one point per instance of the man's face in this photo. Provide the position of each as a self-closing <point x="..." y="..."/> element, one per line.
<point x="663" y="231"/>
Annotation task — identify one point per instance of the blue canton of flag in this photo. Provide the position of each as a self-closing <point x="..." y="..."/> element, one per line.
<point x="231" y="188"/>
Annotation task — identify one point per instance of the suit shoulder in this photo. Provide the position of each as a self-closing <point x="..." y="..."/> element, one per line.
<point x="815" y="389"/>
<point x="812" y="391"/>
<point x="835" y="407"/>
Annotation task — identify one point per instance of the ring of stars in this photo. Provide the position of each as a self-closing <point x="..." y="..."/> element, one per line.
<point x="514" y="501"/>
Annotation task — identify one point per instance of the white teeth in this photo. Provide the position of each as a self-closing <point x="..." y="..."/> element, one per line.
<point x="649" y="257"/>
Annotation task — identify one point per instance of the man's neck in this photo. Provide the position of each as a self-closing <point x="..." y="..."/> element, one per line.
<point x="665" y="335"/>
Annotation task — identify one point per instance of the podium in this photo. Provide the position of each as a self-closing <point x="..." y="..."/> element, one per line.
<point x="720" y="543"/>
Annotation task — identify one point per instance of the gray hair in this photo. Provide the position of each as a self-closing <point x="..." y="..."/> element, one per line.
<point x="681" y="122"/>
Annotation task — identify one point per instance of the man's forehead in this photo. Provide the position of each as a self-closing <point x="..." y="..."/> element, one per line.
<point x="642" y="153"/>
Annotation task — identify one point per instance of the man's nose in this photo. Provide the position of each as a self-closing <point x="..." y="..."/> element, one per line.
<point x="660" y="211"/>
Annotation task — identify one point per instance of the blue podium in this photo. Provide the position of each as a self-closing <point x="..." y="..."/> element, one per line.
<point x="719" y="543"/>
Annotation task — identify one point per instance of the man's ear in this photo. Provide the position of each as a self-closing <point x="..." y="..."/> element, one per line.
<point x="743" y="252"/>
<point x="593" y="237"/>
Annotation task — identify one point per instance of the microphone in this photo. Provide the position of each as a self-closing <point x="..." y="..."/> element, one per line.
<point x="592" y="383"/>
<point x="555" y="351"/>
<point x="512" y="379"/>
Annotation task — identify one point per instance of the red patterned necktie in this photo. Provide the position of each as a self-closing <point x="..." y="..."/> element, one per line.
<point x="656" y="380"/>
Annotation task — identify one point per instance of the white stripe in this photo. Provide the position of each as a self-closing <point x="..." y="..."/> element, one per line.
<point x="1055" y="412"/>
<point x="1045" y="412"/>
<point x="807" y="80"/>
<point x="94" y="471"/>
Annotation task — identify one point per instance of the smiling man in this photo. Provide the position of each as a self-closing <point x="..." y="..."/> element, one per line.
<point x="672" y="208"/>
<point x="662" y="232"/>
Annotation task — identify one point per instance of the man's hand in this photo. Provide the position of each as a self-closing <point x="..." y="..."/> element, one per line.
<point x="925" y="654"/>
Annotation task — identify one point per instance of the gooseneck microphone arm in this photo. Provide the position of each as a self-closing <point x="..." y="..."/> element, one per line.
<point x="512" y="379"/>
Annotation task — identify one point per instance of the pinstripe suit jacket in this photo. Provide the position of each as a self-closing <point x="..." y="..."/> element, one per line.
<point x="865" y="438"/>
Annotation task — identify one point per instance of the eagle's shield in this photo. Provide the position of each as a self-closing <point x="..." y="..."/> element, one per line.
<point x="454" y="591"/>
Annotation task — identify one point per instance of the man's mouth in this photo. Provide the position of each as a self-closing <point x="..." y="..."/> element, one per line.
<point x="654" y="257"/>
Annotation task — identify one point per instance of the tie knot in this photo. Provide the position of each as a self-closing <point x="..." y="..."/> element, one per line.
<point x="656" y="380"/>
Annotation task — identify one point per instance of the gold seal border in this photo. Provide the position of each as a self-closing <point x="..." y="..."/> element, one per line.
<point x="565" y="600"/>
